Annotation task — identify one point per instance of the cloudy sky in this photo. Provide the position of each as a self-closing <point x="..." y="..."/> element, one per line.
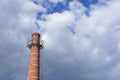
<point x="81" y="38"/>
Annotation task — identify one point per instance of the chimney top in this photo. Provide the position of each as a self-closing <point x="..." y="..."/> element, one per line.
<point x="36" y="33"/>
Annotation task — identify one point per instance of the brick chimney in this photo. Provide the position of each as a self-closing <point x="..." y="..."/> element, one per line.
<point x="34" y="64"/>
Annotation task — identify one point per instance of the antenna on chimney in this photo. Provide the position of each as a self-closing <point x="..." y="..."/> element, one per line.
<point x="42" y="44"/>
<point x="29" y="43"/>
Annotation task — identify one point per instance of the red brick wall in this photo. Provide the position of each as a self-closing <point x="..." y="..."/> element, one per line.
<point x="34" y="65"/>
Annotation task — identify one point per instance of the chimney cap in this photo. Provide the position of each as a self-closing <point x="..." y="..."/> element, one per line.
<point x="36" y="33"/>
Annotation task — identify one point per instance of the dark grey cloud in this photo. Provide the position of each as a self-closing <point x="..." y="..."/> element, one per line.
<point x="14" y="56"/>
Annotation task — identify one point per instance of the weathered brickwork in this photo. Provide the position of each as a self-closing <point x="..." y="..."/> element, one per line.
<point x="34" y="65"/>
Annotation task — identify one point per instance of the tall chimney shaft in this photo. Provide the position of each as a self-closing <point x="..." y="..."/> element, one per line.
<point x="34" y="65"/>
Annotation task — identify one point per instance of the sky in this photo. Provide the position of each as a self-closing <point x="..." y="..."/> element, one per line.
<point x="81" y="38"/>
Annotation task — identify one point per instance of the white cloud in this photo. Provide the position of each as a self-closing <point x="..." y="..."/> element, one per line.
<point x="94" y="44"/>
<point x="77" y="8"/>
<point x="90" y="53"/>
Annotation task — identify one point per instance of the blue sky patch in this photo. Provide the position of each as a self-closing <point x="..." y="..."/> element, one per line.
<point x="38" y="16"/>
<point x="35" y="2"/>
<point x="87" y="3"/>
<point x="60" y="7"/>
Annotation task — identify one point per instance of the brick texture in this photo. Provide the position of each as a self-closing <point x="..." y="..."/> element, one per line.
<point x="34" y="64"/>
